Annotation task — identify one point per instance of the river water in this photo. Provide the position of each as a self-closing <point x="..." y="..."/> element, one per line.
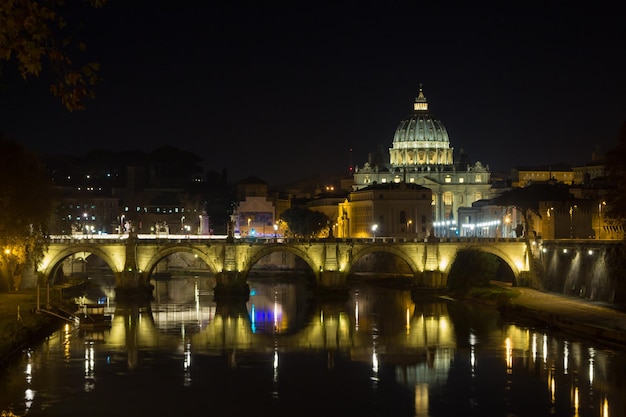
<point x="378" y="352"/>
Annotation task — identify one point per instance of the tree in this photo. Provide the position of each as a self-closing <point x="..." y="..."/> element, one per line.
<point x="33" y="35"/>
<point x="527" y="199"/>
<point x="472" y="268"/>
<point x="26" y="203"/>
<point x="616" y="177"/>
<point x="302" y="222"/>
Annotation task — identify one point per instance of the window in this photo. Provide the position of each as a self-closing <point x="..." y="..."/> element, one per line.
<point x="403" y="216"/>
<point x="479" y="178"/>
<point x="461" y="180"/>
<point x="448" y="179"/>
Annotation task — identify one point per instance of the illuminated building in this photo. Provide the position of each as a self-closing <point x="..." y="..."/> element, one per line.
<point x="391" y="209"/>
<point x="421" y="154"/>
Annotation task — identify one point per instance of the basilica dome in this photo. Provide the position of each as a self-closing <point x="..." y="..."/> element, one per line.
<point x="421" y="139"/>
<point x="421" y="126"/>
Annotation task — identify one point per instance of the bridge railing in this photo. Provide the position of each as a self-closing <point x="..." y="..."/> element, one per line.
<point x="103" y="239"/>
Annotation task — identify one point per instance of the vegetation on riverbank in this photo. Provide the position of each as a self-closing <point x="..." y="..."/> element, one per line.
<point x="20" y="324"/>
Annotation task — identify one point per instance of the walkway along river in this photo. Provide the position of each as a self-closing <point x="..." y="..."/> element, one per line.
<point x="380" y="352"/>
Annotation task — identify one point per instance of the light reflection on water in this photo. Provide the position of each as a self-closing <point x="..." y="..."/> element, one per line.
<point x="378" y="352"/>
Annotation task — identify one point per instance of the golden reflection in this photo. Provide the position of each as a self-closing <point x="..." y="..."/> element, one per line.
<point x="421" y="400"/>
<point x="89" y="367"/>
<point x="605" y="407"/>
<point x="576" y="402"/>
<point x="66" y="343"/>
<point x="408" y="321"/>
<point x="509" y="356"/>
<point x="552" y="386"/>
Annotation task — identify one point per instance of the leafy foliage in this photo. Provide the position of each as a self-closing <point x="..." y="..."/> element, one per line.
<point x="302" y="222"/>
<point x="26" y="202"/>
<point x="616" y="176"/>
<point x="527" y="199"/>
<point x="32" y="34"/>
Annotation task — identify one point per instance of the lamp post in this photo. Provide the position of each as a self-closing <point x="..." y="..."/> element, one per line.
<point x="408" y="226"/>
<point x="275" y="231"/>
<point x="374" y="229"/>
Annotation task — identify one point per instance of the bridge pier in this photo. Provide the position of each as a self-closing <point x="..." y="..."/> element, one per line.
<point x="130" y="286"/>
<point x="433" y="279"/>
<point x="332" y="285"/>
<point x="231" y="285"/>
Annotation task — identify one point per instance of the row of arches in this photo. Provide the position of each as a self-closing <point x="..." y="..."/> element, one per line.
<point x="381" y="261"/>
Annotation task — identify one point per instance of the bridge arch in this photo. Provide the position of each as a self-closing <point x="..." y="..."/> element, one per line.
<point x="273" y="248"/>
<point x="113" y="259"/>
<point x="165" y="251"/>
<point x="394" y="250"/>
<point x="495" y="250"/>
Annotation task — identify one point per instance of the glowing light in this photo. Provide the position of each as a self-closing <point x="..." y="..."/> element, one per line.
<point x="375" y="362"/>
<point x="605" y="407"/>
<point x="408" y="321"/>
<point x="565" y="357"/>
<point x="592" y="354"/>
<point x="509" y="356"/>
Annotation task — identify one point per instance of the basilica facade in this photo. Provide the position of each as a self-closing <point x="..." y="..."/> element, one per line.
<point x="421" y="154"/>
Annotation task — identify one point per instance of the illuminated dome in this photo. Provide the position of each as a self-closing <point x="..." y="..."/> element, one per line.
<point x="421" y="139"/>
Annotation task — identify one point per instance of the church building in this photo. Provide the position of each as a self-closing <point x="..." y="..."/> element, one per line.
<point x="421" y="154"/>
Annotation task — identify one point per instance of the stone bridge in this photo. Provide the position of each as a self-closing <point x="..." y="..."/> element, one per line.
<point x="133" y="258"/>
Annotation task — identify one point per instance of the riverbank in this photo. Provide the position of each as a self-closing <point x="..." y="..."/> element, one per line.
<point x="594" y="321"/>
<point x="20" y="325"/>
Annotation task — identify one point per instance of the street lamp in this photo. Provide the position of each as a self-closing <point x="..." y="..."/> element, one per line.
<point x="374" y="228"/>
<point x="408" y="226"/>
<point x="275" y="230"/>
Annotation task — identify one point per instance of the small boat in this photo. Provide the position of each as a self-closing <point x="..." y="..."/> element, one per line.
<point x="93" y="316"/>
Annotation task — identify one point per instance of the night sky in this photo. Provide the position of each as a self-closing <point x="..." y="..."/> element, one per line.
<point x="284" y="90"/>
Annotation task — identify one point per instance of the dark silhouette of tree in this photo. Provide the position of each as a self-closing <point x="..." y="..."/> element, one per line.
<point x="472" y="268"/>
<point x="26" y="204"/>
<point x="527" y="199"/>
<point x="35" y="35"/>
<point x="616" y="177"/>
<point x="302" y="222"/>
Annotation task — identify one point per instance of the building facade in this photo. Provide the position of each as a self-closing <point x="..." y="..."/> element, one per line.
<point x="383" y="210"/>
<point x="421" y="154"/>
